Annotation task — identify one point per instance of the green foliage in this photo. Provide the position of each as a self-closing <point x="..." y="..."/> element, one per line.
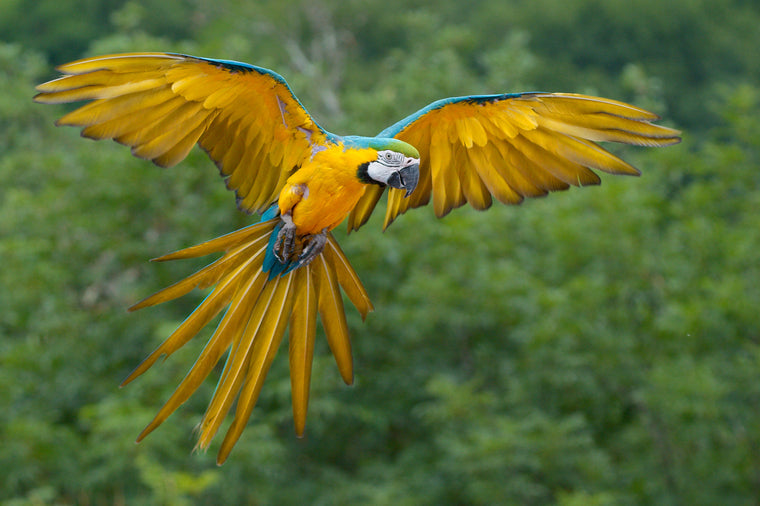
<point x="600" y="346"/>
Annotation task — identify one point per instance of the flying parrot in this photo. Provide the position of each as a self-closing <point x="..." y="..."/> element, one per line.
<point x="283" y="271"/>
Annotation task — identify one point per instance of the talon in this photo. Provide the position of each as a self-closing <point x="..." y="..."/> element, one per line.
<point x="286" y="238"/>
<point x="316" y="243"/>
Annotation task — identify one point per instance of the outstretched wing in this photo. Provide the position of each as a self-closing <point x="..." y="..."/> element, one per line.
<point x="245" y="117"/>
<point x="510" y="147"/>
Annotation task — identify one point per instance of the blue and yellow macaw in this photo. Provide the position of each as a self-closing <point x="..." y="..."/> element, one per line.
<point x="286" y="269"/>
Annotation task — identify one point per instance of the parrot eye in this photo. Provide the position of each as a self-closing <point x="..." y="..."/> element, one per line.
<point x="390" y="158"/>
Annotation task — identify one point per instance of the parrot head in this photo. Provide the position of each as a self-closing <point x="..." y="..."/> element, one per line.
<point x="395" y="169"/>
<point x="397" y="164"/>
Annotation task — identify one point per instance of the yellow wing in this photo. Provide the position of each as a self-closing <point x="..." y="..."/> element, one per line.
<point x="510" y="147"/>
<point x="161" y="104"/>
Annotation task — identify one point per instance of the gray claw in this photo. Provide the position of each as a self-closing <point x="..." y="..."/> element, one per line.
<point x="286" y="239"/>
<point x="316" y="243"/>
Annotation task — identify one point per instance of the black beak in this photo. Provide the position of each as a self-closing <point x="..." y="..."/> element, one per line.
<point x="406" y="178"/>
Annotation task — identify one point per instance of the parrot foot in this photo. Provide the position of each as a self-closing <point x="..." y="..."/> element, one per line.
<point x="285" y="244"/>
<point x="286" y="239"/>
<point x="314" y="246"/>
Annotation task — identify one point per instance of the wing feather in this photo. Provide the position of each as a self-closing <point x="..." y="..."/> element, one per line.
<point x="473" y="189"/>
<point x="137" y="122"/>
<point x="189" y="119"/>
<point x="533" y="148"/>
<point x="522" y="173"/>
<point x="178" y="150"/>
<point x="162" y="104"/>
<point x="100" y="111"/>
<point x="363" y="209"/>
<point x="128" y="62"/>
<point x="580" y="105"/>
<point x="64" y="93"/>
<point x="240" y="177"/>
<point x="513" y="146"/>
<point x="487" y="169"/>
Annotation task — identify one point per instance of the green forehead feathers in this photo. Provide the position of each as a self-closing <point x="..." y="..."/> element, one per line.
<point x="382" y="143"/>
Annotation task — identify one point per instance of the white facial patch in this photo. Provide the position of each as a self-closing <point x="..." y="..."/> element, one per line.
<point x="379" y="172"/>
<point x="388" y="162"/>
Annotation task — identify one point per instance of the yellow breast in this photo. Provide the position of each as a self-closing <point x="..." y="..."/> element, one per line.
<point x="325" y="189"/>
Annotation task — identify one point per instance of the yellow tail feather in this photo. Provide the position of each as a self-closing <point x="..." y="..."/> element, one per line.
<point x="258" y="311"/>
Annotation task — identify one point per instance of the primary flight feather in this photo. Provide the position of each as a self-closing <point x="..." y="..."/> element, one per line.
<point x="286" y="269"/>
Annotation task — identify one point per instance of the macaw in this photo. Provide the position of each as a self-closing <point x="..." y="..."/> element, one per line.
<point x="287" y="268"/>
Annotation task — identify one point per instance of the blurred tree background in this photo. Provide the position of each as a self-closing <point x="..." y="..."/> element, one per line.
<point x="600" y="346"/>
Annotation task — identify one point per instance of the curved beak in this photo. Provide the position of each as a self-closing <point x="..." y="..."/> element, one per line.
<point x="406" y="177"/>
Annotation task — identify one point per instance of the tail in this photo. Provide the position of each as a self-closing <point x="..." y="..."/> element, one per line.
<point x="258" y="310"/>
